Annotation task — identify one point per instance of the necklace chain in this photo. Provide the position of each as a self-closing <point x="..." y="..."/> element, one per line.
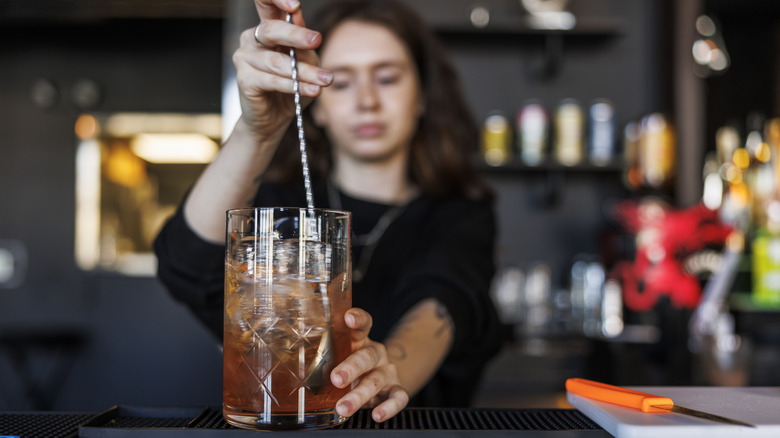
<point x="369" y="240"/>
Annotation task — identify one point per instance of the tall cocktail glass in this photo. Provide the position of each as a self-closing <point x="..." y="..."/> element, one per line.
<point x="287" y="285"/>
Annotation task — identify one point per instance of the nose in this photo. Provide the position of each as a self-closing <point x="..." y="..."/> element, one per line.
<point x="367" y="98"/>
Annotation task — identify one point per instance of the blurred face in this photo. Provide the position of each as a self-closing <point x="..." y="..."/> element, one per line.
<point x="370" y="111"/>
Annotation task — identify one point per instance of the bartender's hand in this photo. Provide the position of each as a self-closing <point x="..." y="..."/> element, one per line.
<point x="263" y="67"/>
<point x="378" y="384"/>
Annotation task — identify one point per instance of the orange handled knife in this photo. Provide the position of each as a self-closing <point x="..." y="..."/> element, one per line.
<point x="638" y="400"/>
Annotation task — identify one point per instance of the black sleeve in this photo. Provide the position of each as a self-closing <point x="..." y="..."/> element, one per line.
<point x="458" y="269"/>
<point x="193" y="270"/>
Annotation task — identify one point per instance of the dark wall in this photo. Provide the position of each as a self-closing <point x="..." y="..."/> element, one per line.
<point x="131" y="341"/>
<point x="751" y="84"/>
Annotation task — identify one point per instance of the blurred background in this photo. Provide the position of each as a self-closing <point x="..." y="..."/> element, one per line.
<point x="633" y="145"/>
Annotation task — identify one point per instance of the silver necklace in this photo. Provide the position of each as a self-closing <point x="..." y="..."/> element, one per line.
<point x="369" y="240"/>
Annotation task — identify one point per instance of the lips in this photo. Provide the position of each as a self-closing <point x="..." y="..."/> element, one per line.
<point x="368" y="130"/>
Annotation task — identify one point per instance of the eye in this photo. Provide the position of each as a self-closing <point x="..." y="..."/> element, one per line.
<point x="339" y="85"/>
<point x="388" y="78"/>
<point x="341" y="81"/>
<point x="388" y="75"/>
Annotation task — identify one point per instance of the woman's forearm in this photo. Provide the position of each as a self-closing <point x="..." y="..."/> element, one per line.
<point x="420" y="342"/>
<point x="230" y="181"/>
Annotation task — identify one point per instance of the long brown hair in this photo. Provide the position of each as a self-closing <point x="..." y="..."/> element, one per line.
<point x="443" y="148"/>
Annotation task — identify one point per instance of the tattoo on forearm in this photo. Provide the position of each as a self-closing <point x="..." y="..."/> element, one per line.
<point x="403" y="324"/>
<point x="396" y="351"/>
<point x="441" y="311"/>
<point x="444" y="317"/>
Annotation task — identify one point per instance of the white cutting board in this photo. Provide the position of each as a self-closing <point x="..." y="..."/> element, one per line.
<point x="755" y="405"/>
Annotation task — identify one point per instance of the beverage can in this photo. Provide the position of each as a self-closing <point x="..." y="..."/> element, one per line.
<point x="496" y="140"/>
<point x="569" y="126"/>
<point x="532" y="128"/>
<point x="601" y="132"/>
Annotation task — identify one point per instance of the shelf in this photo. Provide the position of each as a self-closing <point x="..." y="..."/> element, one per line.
<point x="615" y="167"/>
<point x="518" y="26"/>
<point x="503" y="30"/>
<point x="554" y="177"/>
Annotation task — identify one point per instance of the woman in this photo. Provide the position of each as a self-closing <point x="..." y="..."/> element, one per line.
<point x="391" y="140"/>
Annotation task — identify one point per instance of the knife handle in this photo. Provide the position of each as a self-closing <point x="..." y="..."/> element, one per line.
<point x="619" y="396"/>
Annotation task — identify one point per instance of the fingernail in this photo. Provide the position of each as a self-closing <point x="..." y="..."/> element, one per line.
<point x="337" y="380"/>
<point x="378" y="416"/>
<point x="311" y="89"/>
<point x="350" y="318"/>
<point x="325" y="77"/>
<point x="293" y="4"/>
<point x="342" y="409"/>
<point x="343" y="377"/>
<point x="312" y="37"/>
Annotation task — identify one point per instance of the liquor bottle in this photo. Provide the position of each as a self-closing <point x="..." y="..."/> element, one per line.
<point x="766" y="259"/>
<point x="772" y="138"/>
<point x="657" y="151"/>
<point x="632" y="175"/>
<point x="726" y="142"/>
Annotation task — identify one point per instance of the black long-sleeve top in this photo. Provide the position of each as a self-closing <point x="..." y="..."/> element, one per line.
<point x="439" y="248"/>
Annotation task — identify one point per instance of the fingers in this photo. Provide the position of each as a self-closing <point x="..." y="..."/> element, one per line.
<point x="272" y="71"/>
<point x="379" y="384"/>
<point x="359" y="321"/>
<point x="361" y="361"/>
<point x="397" y="399"/>
<point x="366" y="353"/>
<point x="377" y="378"/>
<point x="276" y="9"/>
<point x="278" y="33"/>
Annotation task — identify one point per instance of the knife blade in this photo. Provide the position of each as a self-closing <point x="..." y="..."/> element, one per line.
<point x="638" y="400"/>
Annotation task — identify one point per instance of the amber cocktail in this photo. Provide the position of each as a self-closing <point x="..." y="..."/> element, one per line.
<point x="287" y="286"/>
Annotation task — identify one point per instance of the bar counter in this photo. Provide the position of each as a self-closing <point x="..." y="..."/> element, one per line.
<point x="128" y="421"/>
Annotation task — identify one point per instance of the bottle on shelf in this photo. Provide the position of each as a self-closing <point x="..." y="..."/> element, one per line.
<point x="766" y="259"/>
<point x="569" y="133"/>
<point x="496" y="140"/>
<point x="657" y="151"/>
<point x="601" y="132"/>
<point x="632" y="175"/>
<point x="532" y="133"/>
